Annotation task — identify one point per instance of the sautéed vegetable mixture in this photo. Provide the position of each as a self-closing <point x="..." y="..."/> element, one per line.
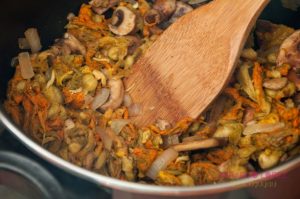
<point x="71" y="99"/>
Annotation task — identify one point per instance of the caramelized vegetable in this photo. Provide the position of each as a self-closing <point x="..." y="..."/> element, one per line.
<point x="71" y="99"/>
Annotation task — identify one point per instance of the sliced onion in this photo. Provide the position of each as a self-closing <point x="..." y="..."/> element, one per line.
<point x="69" y="124"/>
<point x="161" y="162"/>
<point x="100" y="98"/>
<point x="127" y="101"/>
<point x="248" y="115"/>
<point x="134" y="110"/>
<point x="276" y="83"/>
<point x="88" y="99"/>
<point x="33" y="39"/>
<point x="25" y="65"/>
<point x="23" y="44"/>
<point x="51" y="81"/>
<point x="101" y="160"/>
<point x="262" y="128"/>
<point x="116" y="95"/>
<point x="118" y="124"/>
<point x="105" y="137"/>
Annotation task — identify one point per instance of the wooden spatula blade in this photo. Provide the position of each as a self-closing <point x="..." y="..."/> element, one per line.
<point x="189" y="64"/>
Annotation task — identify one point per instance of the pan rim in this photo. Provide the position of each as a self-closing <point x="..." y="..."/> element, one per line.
<point x="138" y="188"/>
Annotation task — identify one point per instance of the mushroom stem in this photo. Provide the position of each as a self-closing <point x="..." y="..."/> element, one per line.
<point x="74" y="44"/>
<point x="195" y="145"/>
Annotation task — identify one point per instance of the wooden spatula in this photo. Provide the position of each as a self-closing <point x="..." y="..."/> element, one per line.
<point x="190" y="63"/>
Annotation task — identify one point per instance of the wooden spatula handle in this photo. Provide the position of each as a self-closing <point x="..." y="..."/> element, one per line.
<point x="189" y="64"/>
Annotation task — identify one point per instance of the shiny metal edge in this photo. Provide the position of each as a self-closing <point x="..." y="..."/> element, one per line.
<point x="143" y="188"/>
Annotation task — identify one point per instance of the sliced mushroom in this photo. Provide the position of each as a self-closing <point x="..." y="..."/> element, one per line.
<point x="181" y="9"/>
<point x="59" y="48"/>
<point x="123" y="21"/>
<point x="101" y="6"/>
<point x="289" y="52"/>
<point x="116" y="95"/>
<point x="249" y="115"/>
<point x="152" y="17"/>
<point x="74" y="44"/>
<point x="195" y="145"/>
<point x="165" y="7"/>
<point x="276" y="83"/>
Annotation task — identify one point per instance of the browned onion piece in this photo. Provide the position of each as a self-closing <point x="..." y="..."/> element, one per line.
<point x="127" y="101"/>
<point x="25" y="65"/>
<point x="33" y="39"/>
<point x="262" y="128"/>
<point x="118" y="124"/>
<point x="276" y="83"/>
<point x="116" y="94"/>
<point x="249" y="114"/>
<point x="100" y="98"/>
<point x="161" y="162"/>
<point x="105" y="137"/>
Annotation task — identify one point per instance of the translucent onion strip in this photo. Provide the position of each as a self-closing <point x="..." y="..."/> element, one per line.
<point x="262" y="128"/>
<point x="100" y="98"/>
<point x="161" y="162"/>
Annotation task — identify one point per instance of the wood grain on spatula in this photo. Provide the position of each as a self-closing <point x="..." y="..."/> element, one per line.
<point x="190" y="63"/>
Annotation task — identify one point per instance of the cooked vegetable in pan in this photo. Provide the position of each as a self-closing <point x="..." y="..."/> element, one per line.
<point x="71" y="99"/>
